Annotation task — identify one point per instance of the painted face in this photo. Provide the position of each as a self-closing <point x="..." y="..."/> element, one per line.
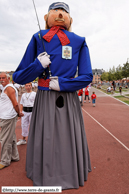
<point x="3" y="79"/>
<point x="58" y="17"/>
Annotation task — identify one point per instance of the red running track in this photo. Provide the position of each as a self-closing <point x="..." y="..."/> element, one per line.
<point x="107" y="130"/>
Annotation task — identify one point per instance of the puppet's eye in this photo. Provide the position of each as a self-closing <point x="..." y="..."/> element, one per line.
<point x="56" y="10"/>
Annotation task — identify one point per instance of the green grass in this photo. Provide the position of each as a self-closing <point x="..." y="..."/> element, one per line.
<point x="104" y="87"/>
<point x="123" y="99"/>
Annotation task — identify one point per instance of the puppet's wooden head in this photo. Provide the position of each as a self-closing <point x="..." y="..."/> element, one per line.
<point x="58" y="15"/>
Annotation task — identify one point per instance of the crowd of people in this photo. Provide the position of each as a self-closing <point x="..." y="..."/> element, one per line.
<point x="21" y="88"/>
<point x="86" y="95"/>
<point x="113" y="86"/>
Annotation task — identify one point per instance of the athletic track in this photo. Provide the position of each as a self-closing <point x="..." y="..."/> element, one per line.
<point x="107" y="130"/>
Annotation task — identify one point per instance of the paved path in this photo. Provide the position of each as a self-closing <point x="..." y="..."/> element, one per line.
<point x="107" y="130"/>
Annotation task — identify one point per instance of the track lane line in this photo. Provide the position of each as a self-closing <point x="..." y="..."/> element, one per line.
<point x="107" y="130"/>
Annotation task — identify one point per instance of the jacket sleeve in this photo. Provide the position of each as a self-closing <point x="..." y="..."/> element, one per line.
<point x="29" y="67"/>
<point x="85" y="75"/>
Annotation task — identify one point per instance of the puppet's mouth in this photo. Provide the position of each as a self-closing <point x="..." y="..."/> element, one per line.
<point x="59" y="19"/>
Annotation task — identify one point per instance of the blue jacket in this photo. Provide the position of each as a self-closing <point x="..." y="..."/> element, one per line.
<point x="31" y="68"/>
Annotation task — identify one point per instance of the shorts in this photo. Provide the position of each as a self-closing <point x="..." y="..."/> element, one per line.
<point x="93" y="101"/>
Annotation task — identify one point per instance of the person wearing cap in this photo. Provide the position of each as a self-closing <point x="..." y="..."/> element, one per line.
<point x="57" y="149"/>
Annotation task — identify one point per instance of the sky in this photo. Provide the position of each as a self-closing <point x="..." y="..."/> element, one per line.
<point x="104" y="24"/>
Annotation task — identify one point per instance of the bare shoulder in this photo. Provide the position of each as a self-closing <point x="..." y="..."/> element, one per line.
<point x="10" y="90"/>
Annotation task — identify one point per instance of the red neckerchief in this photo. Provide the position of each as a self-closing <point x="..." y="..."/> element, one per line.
<point x="61" y="35"/>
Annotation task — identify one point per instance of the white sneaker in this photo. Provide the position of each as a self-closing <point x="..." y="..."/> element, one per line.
<point x="21" y="142"/>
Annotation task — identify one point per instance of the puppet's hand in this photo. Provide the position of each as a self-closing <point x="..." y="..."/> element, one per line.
<point x="44" y="59"/>
<point x="54" y="84"/>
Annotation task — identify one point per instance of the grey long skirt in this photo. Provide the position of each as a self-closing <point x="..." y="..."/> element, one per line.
<point x="57" y="150"/>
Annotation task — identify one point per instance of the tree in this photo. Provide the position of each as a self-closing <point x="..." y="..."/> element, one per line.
<point x="104" y="76"/>
<point x="125" y="70"/>
<point x="118" y="72"/>
<point x="110" y="75"/>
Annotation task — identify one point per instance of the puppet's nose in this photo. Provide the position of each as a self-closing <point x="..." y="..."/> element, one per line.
<point x="60" y="15"/>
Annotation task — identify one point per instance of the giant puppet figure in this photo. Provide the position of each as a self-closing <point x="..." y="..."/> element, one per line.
<point x="57" y="150"/>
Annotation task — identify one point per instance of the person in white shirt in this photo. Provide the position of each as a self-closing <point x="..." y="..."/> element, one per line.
<point x="35" y="86"/>
<point x="109" y="89"/>
<point x="9" y="110"/>
<point x="26" y="106"/>
<point x="1" y="88"/>
<point x="22" y="89"/>
<point x="17" y="86"/>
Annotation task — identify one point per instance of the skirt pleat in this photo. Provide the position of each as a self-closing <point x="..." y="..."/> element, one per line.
<point x="57" y="149"/>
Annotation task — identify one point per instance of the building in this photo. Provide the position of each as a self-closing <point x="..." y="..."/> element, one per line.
<point x="97" y="75"/>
